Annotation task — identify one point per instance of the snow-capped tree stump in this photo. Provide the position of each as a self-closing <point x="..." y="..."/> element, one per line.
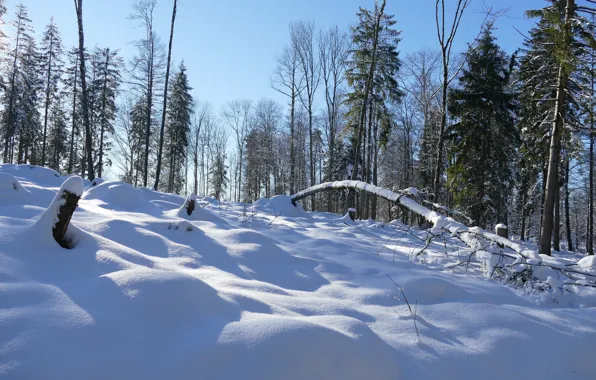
<point x="502" y="231"/>
<point x="352" y="213"/>
<point x="58" y="214"/>
<point x="65" y="212"/>
<point x="191" y="203"/>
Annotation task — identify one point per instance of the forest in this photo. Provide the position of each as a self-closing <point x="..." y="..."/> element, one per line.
<point x="498" y="138"/>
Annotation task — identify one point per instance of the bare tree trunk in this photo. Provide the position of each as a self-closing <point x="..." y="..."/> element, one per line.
<point x="367" y="90"/>
<point x="567" y="219"/>
<point x="103" y="110"/>
<point x="557" y="222"/>
<point x="165" y="101"/>
<point x="555" y="143"/>
<point x="74" y="111"/>
<point x="88" y="139"/>
<point x="47" y="102"/>
<point x="9" y="110"/>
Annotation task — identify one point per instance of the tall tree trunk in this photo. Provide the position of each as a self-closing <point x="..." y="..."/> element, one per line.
<point x="590" y="232"/>
<point x="47" y="102"/>
<point x="74" y="111"/>
<point x="88" y="140"/>
<point x="165" y="100"/>
<point x="195" y="158"/>
<point x="439" y="164"/>
<point x="367" y="90"/>
<point x="10" y="112"/>
<point x="557" y="222"/>
<point x="102" y="128"/>
<point x="555" y="142"/>
<point x="567" y="219"/>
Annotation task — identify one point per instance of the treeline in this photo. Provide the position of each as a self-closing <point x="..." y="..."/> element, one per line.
<point x="502" y="138"/>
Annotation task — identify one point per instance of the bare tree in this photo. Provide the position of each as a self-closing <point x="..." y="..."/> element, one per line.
<point x="287" y="81"/>
<point x="303" y="40"/>
<point x="146" y="68"/>
<point x="85" y="105"/>
<point x="201" y="116"/>
<point x="237" y="116"/>
<point x="165" y="100"/>
<point x="334" y="50"/>
<point x="124" y="138"/>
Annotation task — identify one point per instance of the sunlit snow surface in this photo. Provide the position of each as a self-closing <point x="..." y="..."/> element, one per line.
<point x="259" y="292"/>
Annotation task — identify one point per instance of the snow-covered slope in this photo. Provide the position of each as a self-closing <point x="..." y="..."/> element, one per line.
<point x="268" y="292"/>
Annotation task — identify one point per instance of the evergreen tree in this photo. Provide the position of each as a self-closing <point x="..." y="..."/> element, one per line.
<point x="72" y="92"/>
<point x="57" y="137"/>
<point x="219" y="176"/>
<point x="483" y="138"/>
<point x="22" y="40"/>
<point x="102" y="93"/>
<point x="372" y="75"/>
<point x="50" y="54"/>
<point x="180" y="108"/>
<point x="26" y="106"/>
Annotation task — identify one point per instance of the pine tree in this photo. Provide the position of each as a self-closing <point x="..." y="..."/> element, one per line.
<point x="484" y="137"/>
<point x="103" y="91"/>
<point x="51" y="51"/>
<point x="72" y="92"/>
<point x="372" y="75"/>
<point x="26" y="106"/>
<point x="57" y="147"/>
<point x="180" y="108"/>
<point x="22" y="40"/>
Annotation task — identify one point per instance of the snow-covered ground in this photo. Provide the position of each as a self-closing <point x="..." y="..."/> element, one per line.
<point x="261" y="292"/>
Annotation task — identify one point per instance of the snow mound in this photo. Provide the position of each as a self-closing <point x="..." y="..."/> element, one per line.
<point x="262" y="260"/>
<point x="97" y="181"/>
<point x="198" y="214"/>
<point x="271" y="347"/>
<point x="33" y="173"/>
<point x="120" y="196"/>
<point x="280" y="205"/>
<point x="11" y="191"/>
<point x="588" y="264"/>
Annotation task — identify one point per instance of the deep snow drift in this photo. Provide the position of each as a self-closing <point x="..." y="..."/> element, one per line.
<point x="264" y="291"/>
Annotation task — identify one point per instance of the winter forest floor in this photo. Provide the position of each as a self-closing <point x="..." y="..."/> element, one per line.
<point x="261" y="292"/>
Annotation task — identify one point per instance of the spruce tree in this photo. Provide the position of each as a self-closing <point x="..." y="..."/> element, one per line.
<point x="180" y="108"/>
<point x="58" y="146"/>
<point x="22" y="39"/>
<point x="483" y="139"/>
<point x="50" y="53"/>
<point x="103" y="91"/>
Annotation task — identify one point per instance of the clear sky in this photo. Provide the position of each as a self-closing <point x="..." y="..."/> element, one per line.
<point x="230" y="46"/>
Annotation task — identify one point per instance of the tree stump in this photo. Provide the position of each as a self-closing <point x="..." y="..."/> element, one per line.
<point x="190" y="204"/>
<point x="502" y="231"/>
<point x="352" y="213"/>
<point x="64" y="215"/>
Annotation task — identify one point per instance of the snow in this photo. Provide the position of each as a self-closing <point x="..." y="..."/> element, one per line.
<point x="148" y="292"/>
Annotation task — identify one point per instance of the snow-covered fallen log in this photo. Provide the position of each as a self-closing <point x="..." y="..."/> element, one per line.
<point x="518" y="264"/>
<point x="469" y="235"/>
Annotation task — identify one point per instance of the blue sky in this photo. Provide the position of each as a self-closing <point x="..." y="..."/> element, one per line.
<point x="230" y="46"/>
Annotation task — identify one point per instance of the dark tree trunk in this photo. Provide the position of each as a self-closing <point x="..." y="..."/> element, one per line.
<point x="64" y="215"/>
<point x="103" y="117"/>
<point x="567" y="215"/>
<point x="88" y="140"/>
<point x="47" y="104"/>
<point x="165" y="100"/>
<point x="367" y="90"/>
<point x="555" y="142"/>
<point x="74" y="120"/>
